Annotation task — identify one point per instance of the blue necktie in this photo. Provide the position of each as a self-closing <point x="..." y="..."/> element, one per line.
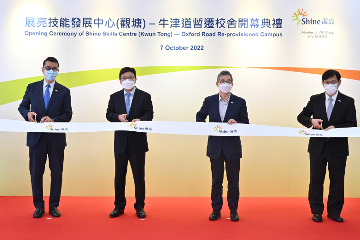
<point x="127" y="103"/>
<point x="47" y="96"/>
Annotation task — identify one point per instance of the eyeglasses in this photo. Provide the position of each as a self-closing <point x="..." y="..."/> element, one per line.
<point x="223" y="81"/>
<point x="50" y="68"/>
<point x="331" y="82"/>
<point x="124" y="78"/>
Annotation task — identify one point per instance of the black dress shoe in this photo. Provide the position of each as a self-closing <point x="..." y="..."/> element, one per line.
<point x="39" y="212"/>
<point x="54" y="212"/>
<point x="234" y="216"/>
<point x="140" y="213"/>
<point x="335" y="218"/>
<point x="317" y="218"/>
<point x="116" y="212"/>
<point x="215" y="215"/>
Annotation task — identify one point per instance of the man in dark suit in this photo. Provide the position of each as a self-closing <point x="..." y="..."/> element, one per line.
<point x="46" y="101"/>
<point x="227" y="108"/>
<point x="332" y="109"/>
<point x="129" y="104"/>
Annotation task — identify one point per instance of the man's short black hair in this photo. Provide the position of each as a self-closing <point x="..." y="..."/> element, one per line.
<point x="127" y="69"/>
<point x="51" y="59"/>
<point x="330" y="73"/>
<point x="222" y="73"/>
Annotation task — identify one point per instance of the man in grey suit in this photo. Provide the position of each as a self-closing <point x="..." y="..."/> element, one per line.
<point x="224" y="107"/>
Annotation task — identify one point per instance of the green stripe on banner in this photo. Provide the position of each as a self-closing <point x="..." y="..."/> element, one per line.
<point x="14" y="90"/>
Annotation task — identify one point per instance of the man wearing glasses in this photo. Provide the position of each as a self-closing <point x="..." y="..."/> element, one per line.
<point x="129" y="104"/>
<point x="46" y="101"/>
<point x="328" y="110"/>
<point x="224" y="107"/>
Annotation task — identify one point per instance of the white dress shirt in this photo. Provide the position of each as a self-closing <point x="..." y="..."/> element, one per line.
<point x="223" y="107"/>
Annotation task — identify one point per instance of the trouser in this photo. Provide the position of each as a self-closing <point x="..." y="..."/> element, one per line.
<point x="137" y="163"/>
<point x="38" y="156"/>
<point x="232" y="173"/>
<point x="336" y="167"/>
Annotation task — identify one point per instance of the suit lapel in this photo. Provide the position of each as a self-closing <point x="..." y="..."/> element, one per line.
<point x="229" y="108"/>
<point x="323" y="109"/>
<point x="134" y="100"/>
<point x="54" y="95"/>
<point x="217" y="107"/>
<point x="337" y="105"/>
<point x="41" y="93"/>
<point x="120" y="101"/>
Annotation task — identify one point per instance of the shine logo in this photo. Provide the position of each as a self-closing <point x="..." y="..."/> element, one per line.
<point x="132" y="125"/>
<point x="219" y="129"/>
<point x="302" y="132"/>
<point x="49" y="127"/>
<point x="300" y="18"/>
<point x="216" y="129"/>
<point x="297" y="14"/>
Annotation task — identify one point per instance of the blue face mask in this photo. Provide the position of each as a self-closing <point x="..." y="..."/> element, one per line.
<point x="50" y="74"/>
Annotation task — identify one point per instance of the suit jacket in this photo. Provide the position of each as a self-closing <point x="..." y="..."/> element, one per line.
<point x="59" y="109"/>
<point x="141" y="108"/>
<point x="236" y="110"/>
<point x="342" y="116"/>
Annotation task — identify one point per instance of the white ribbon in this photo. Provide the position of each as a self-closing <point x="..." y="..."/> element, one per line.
<point x="182" y="128"/>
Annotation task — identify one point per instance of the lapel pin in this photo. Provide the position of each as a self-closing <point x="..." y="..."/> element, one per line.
<point x="56" y="90"/>
<point x="232" y="102"/>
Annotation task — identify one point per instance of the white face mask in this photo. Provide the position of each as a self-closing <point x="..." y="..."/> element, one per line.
<point x="330" y="89"/>
<point x="128" y="84"/>
<point x="225" y="87"/>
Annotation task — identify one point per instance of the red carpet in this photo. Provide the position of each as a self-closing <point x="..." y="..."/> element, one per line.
<point x="175" y="218"/>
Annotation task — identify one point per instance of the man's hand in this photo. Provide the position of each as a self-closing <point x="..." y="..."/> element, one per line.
<point x="30" y="116"/>
<point x="46" y="119"/>
<point x="135" y="120"/>
<point x="316" y="123"/>
<point x="231" y="121"/>
<point x="122" y="118"/>
<point x="330" y="127"/>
